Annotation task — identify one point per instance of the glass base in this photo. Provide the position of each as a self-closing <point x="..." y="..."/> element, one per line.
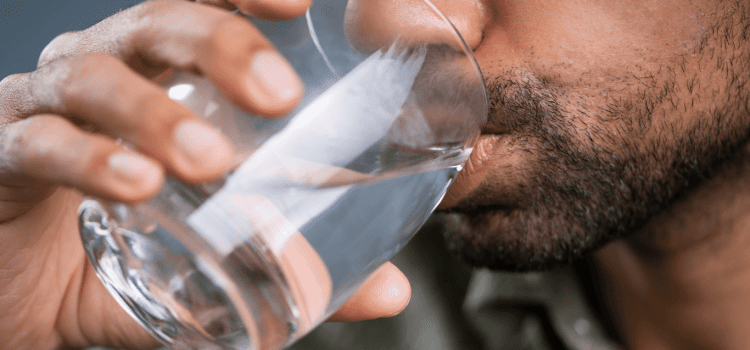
<point x="186" y="301"/>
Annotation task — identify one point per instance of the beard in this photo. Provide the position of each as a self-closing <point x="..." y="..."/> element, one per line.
<point x="598" y="168"/>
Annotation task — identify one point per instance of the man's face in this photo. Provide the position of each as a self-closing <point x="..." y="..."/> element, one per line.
<point x="601" y="113"/>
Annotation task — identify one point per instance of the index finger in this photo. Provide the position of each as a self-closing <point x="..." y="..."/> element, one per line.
<point x="224" y="47"/>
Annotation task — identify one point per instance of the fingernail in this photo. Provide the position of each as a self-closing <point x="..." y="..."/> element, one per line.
<point x="275" y="76"/>
<point x="201" y="143"/>
<point x="132" y="167"/>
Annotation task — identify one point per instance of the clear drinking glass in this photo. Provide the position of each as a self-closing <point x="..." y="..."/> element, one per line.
<point x="316" y="200"/>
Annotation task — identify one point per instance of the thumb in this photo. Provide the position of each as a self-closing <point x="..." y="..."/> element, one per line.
<point x="386" y="293"/>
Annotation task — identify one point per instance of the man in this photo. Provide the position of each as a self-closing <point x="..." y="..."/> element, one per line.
<point x="622" y="122"/>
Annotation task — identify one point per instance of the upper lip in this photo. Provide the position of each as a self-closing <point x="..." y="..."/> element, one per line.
<point x="494" y="127"/>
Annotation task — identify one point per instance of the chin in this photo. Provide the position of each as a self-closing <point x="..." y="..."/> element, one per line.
<point x="515" y="240"/>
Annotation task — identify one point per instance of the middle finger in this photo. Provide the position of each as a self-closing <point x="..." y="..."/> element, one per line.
<point x="224" y="47"/>
<point x="103" y="91"/>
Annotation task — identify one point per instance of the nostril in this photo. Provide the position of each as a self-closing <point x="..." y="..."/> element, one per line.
<point x="468" y="16"/>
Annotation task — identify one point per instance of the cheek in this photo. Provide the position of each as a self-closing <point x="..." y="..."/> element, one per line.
<point x="586" y="43"/>
<point x="553" y="39"/>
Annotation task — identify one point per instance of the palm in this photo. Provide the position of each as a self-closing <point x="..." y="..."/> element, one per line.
<point x="51" y="295"/>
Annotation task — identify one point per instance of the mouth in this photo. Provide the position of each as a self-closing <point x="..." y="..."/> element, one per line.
<point x="474" y="171"/>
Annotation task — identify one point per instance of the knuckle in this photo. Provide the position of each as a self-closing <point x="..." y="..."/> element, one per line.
<point x="75" y="76"/>
<point x="95" y="159"/>
<point x="273" y="10"/>
<point x="232" y="35"/>
<point x="14" y="99"/>
<point x="11" y="81"/>
<point x="95" y="63"/>
<point x="157" y="5"/>
<point x="243" y="6"/>
<point x="145" y="13"/>
<point x="61" y="46"/>
<point x="44" y="83"/>
<point x="157" y="115"/>
<point x="147" y="104"/>
<point x="224" y="4"/>
<point x="145" y="9"/>
<point x="145" y="17"/>
<point x="33" y="141"/>
<point x="54" y="85"/>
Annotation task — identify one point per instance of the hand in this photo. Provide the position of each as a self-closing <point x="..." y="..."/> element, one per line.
<point x="58" y="127"/>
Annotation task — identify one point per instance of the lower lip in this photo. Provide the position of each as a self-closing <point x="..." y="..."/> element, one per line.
<point x="473" y="173"/>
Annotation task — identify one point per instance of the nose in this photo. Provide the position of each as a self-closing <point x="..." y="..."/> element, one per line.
<point x="372" y="24"/>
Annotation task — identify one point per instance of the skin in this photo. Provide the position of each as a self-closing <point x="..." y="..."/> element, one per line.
<point x="619" y="125"/>
<point x="595" y="127"/>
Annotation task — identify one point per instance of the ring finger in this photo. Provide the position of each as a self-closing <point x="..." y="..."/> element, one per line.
<point x="103" y="91"/>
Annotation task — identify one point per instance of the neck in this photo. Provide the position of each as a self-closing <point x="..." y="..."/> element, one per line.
<point x="683" y="281"/>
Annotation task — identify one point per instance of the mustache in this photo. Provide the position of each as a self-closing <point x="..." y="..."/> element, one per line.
<point x="521" y="102"/>
<point x="449" y="88"/>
